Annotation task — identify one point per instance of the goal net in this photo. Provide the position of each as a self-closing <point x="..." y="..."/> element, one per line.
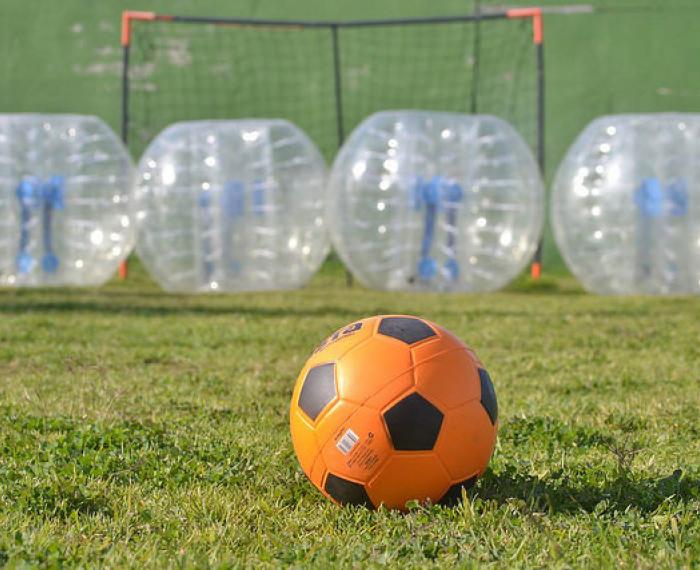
<point x="326" y="77"/>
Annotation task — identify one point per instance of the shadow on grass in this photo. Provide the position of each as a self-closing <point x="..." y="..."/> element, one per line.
<point x="560" y="494"/>
<point x="175" y="306"/>
<point x="277" y="307"/>
<point x="270" y="304"/>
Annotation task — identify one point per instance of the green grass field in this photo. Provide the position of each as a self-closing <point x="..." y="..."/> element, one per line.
<point x="139" y="428"/>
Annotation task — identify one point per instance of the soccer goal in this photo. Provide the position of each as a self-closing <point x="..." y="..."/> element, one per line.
<point x="326" y="77"/>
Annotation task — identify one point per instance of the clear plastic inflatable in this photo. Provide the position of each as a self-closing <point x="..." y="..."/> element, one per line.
<point x="65" y="198"/>
<point x="231" y="206"/>
<point x="422" y="200"/>
<point x="626" y="205"/>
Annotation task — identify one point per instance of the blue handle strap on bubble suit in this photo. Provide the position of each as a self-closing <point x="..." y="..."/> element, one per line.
<point x="28" y="193"/>
<point x="52" y="195"/>
<point x="233" y="199"/>
<point x="438" y="193"/>
<point x="429" y="197"/>
<point x="649" y="198"/>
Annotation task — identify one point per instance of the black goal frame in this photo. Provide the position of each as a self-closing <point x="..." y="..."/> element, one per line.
<point x="533" y="14"/>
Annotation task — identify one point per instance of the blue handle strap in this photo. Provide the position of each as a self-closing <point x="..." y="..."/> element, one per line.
<point x="437" y="194"/>
<point x="29" y="194"/>
<point x="651" y="195"/>
<point x="233" y="199"/>
<point x="649" y="198"/>
<point x="52" y="194"/>
<point x="429" y="196"/>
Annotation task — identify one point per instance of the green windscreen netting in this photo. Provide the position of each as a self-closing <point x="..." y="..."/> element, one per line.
<point x="326" y="78"/>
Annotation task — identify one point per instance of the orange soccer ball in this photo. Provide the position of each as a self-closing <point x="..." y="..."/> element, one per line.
<point x="391" y="409"/>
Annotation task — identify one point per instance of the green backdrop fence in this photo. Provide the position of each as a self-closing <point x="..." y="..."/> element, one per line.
<point x="603" y="56"/>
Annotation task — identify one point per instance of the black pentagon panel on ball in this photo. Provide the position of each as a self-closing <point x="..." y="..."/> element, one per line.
<point x="347" y="492"/>
<point x="406" y="329"/>
<point x="488" y="395"/>
<point x="318" y="389"/>
<point x="413" y="423"/>
<point x="454" y="493"/>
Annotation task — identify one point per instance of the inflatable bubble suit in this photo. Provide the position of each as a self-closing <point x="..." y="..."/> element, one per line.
<point x="65" y="198"/>
<point x="231" y="206"/>
<point x="423" y="200"/>
<point x="626" y="205"/>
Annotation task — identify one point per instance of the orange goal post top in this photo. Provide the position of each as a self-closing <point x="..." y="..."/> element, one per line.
<point x="128" y="16"/>
<point x="536" y="15"/>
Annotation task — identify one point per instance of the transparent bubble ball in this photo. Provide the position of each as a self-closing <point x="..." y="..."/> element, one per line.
<point x="231" y="206"/>
<point x="66" y="185"/>
<point x="626" y="205"/>
<point x="434" y="201"/>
